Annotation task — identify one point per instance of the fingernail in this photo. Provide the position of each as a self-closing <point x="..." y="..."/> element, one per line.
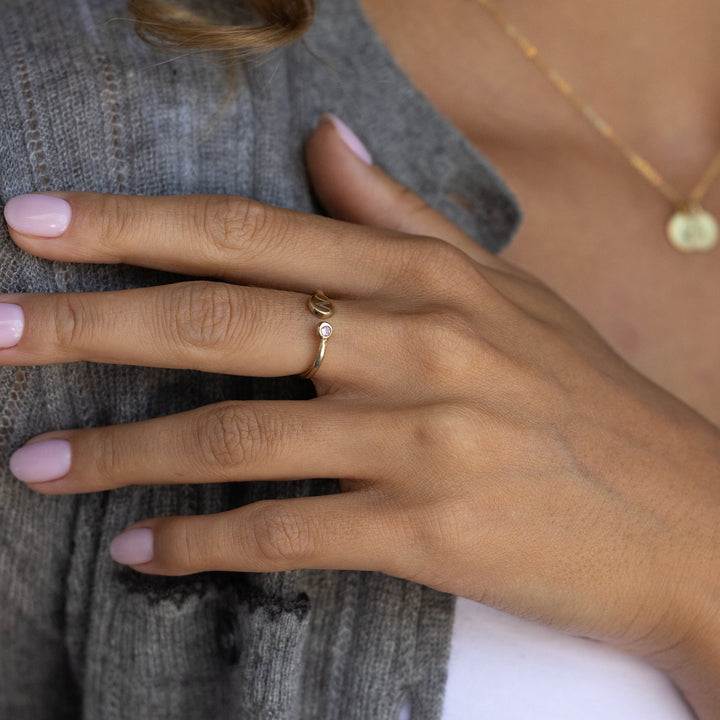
<point x="133" y="547"/>
<point x="349" y="138"/>
<point x="12" y="322"/>
<point x="42" y="461"/>
<point x="40" y="215"/>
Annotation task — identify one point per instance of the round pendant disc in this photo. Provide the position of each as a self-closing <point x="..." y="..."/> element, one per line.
<point x="694" y="231"/>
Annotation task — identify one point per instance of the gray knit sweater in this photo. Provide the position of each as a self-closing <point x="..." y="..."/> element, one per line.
<point x="85" y="105"/>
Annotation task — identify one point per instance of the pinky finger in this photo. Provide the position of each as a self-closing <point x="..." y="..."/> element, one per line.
<point x="348" y="531"/>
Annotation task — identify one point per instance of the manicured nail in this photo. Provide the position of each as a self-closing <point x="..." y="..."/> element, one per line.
<point x="42" y="461"/>
<point x="349" y="138"/>
<point x="39" y="215"/>
<point x="12" y="322"/>
<point x="133" y="547"/>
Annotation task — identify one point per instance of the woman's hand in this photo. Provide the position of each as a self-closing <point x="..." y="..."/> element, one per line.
<point x="489" y="443"/>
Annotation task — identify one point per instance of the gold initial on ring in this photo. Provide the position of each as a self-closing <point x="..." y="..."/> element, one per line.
<point x="320" y="305"/>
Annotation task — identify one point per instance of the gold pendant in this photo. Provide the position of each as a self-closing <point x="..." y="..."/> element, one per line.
<point x="693" y="230"/>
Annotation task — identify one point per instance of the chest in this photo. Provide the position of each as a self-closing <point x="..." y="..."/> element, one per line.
<point x="595" y="233"/>
<point x="594" y="229"/>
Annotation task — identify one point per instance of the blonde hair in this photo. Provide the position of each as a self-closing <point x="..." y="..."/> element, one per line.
<point x="278" y="23"/>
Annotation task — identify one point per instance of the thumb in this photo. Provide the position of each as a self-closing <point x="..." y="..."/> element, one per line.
<point x="351" y="188"/>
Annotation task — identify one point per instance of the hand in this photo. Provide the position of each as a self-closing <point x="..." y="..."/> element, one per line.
<point x="489" y="443"/>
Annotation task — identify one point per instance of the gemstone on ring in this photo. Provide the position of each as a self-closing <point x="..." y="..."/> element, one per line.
<point x="325" y="330"/>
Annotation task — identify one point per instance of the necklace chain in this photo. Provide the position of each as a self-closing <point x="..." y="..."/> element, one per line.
<point x="640" y="164"/>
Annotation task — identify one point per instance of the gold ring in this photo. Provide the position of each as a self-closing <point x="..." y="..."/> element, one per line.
<point x="320" y="306"/>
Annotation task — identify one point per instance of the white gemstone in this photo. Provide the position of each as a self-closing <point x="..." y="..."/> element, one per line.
<point x="325" y="330"/>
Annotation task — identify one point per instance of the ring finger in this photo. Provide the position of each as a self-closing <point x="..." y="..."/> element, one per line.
<point x="209" y="326"/>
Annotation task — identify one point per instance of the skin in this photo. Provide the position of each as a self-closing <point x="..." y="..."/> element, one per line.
<point x="591" y="222"/>
<point x="534" y="469"/>
<point x="515" y="458"/>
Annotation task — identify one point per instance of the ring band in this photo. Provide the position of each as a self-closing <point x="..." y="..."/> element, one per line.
<point x="324" y="331"/>
<point x="320" y="306"/>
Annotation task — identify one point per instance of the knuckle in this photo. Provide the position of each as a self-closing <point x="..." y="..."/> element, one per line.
<point x="442" y="529"/>
<point x="281" y="535"/>
<point x="421" y="537"/>
<point x="234" y="224"/>
<point x="425" y="530"/>
<point x="109" y="460"/>
<point x="446" y="432"/>
<point x="405" y="201"/>
<point x="450" y="332"/>
<point x="201" y="314"/>
<point x="118" y="221"/>
<point x="409" y="200"/>
<point x="447" y="345"/>
<point x="72" y="323"/>
<point x="434" y="266"/>
<point x="181" y="553"/>
<point x="395" y="552"/>
<point x="231" y="437"/>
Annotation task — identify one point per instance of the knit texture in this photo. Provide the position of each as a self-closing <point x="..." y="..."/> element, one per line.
<point x="85" y="105"/>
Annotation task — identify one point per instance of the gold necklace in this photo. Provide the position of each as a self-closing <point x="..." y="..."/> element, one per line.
<point x="690" y="228"/>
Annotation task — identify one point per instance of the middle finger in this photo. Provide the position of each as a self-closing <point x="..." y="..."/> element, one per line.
<point x="227" y="237"/>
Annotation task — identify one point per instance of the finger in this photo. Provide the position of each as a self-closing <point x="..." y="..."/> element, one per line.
<point x="227" y="237"/>
<point x="349" y="531"/>
<point x="351" y="188"/>
<point x="230" y="441"/>
<point x="216" y="327"/>
<point x="209" y="326"/>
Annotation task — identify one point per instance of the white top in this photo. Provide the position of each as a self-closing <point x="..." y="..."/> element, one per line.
<point x="504" y="668"/>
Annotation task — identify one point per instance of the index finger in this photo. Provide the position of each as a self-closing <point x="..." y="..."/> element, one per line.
<point x="223" y="236"/>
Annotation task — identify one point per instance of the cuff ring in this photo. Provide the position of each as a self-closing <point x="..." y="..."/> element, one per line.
<point x="320" y="306"/>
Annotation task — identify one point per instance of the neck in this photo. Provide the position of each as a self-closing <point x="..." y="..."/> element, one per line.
<point x="648" y="66"/>
<point x="659" y="57"/>
<point x="653" y="27"/>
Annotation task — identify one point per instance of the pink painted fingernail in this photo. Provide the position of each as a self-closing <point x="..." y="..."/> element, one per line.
<point x="133" y="547"/>
<point x="39" y="215"/>
<point x="42" y="461"/>
<point x="12" y="322"/>
<point x="349" y="138"/>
